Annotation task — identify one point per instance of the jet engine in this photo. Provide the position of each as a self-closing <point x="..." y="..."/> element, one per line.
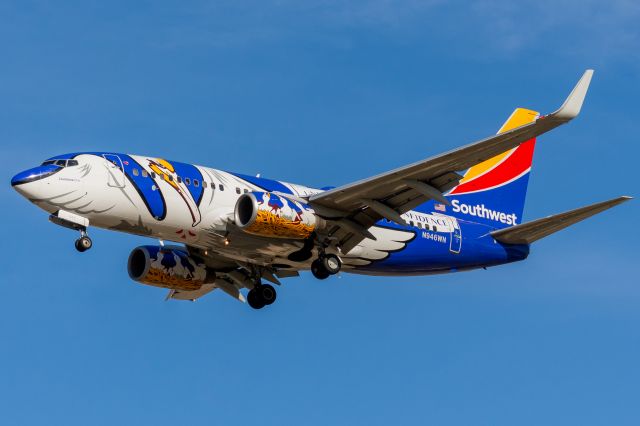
<point x="269" y="215"/>
<point x="168" y="267"/>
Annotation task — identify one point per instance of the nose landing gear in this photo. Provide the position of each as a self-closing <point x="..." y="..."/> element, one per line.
<point x="83" y="243"/>
<point x="77" y="223"/>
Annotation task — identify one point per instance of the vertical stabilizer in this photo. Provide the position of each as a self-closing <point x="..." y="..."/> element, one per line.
<point x="494" y="191"/>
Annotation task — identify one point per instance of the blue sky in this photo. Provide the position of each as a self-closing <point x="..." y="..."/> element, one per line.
<point x="322" y="93"/>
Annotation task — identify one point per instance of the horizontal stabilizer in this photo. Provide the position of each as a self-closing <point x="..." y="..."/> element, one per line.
<point x="529" y="232"/>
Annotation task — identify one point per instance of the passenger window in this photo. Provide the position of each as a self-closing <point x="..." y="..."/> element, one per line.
<point x="238" y="190"/>
<point x="179" y="179"/>
<point x="135" y="172"/>
<point x="187" y="181"/>
<point x="71" y="163"/>
<point x="170" y="178"/>
<point x="144" y="173"/>
<point x="435" y="228"/>
<point x="204" y="183"/>
<point x="221" y="187"/>
<point x="153" y="175"/>
<point x="196" y="183"/>
<point x="246" y="191"/>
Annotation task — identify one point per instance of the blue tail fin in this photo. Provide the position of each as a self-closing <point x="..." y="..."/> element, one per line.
<point x="493" y="192"/>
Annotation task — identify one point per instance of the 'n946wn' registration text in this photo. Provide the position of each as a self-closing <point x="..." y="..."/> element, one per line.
<point x="434" y="237"/>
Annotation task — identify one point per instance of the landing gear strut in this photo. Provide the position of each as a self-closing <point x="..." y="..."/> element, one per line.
<point x="325" y="265"/>
<point x="83" y="243"/>
<point x="261" y="295"/>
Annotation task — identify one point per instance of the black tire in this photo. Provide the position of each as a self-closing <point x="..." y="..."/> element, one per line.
<point x="267" y="294"/>
<point x="83" y="243"/>
<point x="331" y="263"/>
<point x="78" y="246"/>
<point x="318" y="271"/>
<point x="254" y="300"/>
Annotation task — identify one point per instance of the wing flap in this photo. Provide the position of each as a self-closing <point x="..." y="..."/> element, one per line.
<point x="530" y="232"/>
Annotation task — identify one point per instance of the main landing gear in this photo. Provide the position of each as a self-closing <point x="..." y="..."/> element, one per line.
<point x="325" y="265"/>
<point x="261" y="295"/>
<point x="83" y="243"/>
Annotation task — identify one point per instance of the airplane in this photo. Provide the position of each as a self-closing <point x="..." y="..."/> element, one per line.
<point x="457" y="211"/>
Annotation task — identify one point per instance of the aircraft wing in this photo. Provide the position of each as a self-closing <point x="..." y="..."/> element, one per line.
<point x="355" y="207"/>
<point x="232" y="275"/>
<point x="529" y="232"/>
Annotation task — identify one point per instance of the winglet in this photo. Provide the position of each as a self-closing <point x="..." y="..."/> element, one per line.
<point x="572" y="105"/>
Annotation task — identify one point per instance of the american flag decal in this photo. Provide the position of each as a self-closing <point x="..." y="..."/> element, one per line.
<point x="440" y="207"/>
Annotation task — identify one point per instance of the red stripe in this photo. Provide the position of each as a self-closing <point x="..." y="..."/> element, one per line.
<point x="515" y="165"/>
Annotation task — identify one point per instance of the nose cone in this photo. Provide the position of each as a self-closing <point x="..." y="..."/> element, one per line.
<point x="33" y="175"/>
<point x="30" y="184"/>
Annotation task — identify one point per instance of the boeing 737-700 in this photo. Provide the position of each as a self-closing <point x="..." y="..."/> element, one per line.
<point x="457" y="211"/>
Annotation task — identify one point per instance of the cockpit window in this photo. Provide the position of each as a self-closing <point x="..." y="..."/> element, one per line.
<point x="61" y="163"/>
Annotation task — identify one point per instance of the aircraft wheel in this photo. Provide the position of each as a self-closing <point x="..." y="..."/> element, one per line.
<point x="331" y="264"/>
<point x="254" y="300"/>
<point x="318" y="270"/>
<point x="83" y="243"/>
<point x="267" y="294"/>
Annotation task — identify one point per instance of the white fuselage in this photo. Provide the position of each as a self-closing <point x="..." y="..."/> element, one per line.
<point x="98" y="190"/>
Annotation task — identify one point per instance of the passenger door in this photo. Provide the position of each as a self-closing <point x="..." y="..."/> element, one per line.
<point x="116" y="171"/>
<point x="455" y="244"/>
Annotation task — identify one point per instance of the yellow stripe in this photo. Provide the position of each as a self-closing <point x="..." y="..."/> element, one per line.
<point x="519" y="117"/>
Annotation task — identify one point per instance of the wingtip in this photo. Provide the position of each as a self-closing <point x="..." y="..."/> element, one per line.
<point x="619" y="200"/>
<point x="573" y="104"/>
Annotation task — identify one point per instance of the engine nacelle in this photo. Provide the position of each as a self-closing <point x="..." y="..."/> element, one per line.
<point x="270" y="215"/>
<point x="168" y="267"/>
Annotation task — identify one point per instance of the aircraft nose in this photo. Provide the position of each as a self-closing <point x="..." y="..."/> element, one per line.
<point x="20" y="178"/>
<point x="33" y="174"/>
